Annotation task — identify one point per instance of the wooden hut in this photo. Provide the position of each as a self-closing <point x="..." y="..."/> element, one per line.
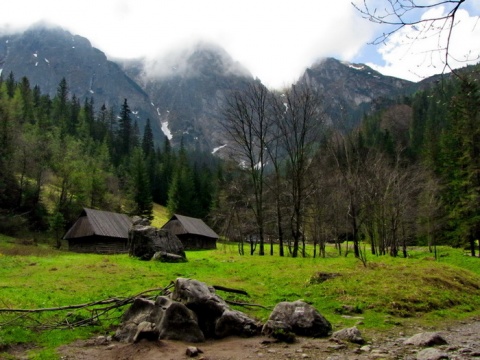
<point x="193" y="233"/>
<point x="100" y="232"/>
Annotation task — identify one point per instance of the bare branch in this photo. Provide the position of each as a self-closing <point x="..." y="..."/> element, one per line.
<point x="399" y="14"/>
<point x="71" y="319"/>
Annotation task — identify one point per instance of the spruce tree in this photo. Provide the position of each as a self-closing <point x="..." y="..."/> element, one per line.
<point x="460" y="159"/>
<point x="148" y="145"/>
<point x="124" y="131"/>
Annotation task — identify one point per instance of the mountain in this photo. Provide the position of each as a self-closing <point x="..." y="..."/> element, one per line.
<point x="188" y="88"/>
<point x="183" y="92"/>
<point x="350" y="90"/>
<point x="45" y="55"/>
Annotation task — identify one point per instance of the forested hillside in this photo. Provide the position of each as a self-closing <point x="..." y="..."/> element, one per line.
<point x="58" y="155"/>
<point x="408" y="175"/>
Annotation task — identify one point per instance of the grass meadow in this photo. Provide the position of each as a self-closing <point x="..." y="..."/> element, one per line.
<point x="387" y="293"/>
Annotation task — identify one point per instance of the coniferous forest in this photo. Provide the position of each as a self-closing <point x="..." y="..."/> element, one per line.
<point x="408" y="174"/>
<point x="59" y="155"/>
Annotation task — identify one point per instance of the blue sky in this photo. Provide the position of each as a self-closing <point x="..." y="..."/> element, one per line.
<point x="275" y="40"/>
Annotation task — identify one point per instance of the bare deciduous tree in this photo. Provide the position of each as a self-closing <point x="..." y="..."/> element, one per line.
<point x="300" y="129"/>
<point x="400" y="14"/>
<point x="248" y="120"/>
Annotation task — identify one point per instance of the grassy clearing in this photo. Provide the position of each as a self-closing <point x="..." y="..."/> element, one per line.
<point x="388" y="292"/>
<point x="160" y="215"/>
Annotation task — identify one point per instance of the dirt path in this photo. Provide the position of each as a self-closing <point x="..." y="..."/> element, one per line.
<point x="463" y="343"/>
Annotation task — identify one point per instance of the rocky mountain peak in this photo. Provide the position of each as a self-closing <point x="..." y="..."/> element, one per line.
<point x="47" y="54"/>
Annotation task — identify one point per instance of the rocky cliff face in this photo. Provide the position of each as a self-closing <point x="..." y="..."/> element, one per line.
<point x="349" y="89"/>
<point x="182" y="93"/>
<point x="188" y="89"/>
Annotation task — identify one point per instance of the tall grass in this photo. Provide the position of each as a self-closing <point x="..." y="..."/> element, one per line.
<point x="386" y="292"/>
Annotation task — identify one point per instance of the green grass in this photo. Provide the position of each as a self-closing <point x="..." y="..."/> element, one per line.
<point x="388" y="292"/>
<point x="160" y="215"/>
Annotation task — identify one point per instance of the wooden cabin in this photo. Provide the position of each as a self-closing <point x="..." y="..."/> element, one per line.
<point x="99" y="232"/>
<point x="192" y="232"/>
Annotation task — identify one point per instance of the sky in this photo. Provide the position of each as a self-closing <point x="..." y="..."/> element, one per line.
<point x="276" y="40"/>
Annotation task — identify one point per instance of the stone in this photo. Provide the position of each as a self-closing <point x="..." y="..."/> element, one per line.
<point x="431" y="354"/>
<point x="193" y="351"/>
<point x="426" y="339"/>
<point x="145" y="241"/>
<point x="176" y="322"/>
<point x="366" y="348"/>
<point x="215" y="318"/>
<point x="140" y="311"/>
<point x="352" y="335"/>
<point x="162" y="319"/>
<point x="137" y="220"/>
<point x="233" y="322"/>
<point x="146" y="330"/>
<point x="298" y="317"/>
<point x="167" y="257"/>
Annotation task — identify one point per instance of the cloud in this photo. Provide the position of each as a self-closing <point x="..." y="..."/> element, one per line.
<point x="275" y="40"/>
<point x="414" y="53"/>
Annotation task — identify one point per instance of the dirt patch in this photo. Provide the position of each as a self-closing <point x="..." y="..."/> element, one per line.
<point x="231" y="348"/>
<point x="462" y="341"/>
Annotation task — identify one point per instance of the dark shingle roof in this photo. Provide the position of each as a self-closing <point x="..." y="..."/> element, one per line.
<point x="193" y="226"/>
<point x="102" y="223"/>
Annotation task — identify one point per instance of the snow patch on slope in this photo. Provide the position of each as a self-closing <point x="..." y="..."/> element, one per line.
<point x="166" y="130"/>
<point x="218" y="148"/>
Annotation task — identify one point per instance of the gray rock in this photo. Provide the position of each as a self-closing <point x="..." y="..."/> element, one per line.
<point x="431" y="354"/>
<point x="140" y="311"/>
<point x="301" y="318"/>
<point x="352" y="335"/>
<point x="146" y="330"/>
<point x="426" y="339"/>
<point x="167" y="257"/>
<point x="193" y="351"/>
<point x="215" y="318"/>
<point x="366" y="348"/>
<point x="137" y="220"/>
<point x="163" y="319"/>
<point x="145" y="241"/>
<point x="234" y="322"/>
<point x="176" y="322"/>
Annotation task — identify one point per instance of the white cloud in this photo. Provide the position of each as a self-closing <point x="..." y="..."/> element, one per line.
<point x="275" y="40"/>
<point x="415" y="54"/>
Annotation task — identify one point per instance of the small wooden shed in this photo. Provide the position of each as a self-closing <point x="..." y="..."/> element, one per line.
<point x="99" y="232"/>
<point x="192" y="232"/>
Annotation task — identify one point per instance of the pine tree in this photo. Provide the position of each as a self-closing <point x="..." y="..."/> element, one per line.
<point x="460" y="165"/>
<point x="140" y="185"/>
<point x="124" y="130"/>
<point x="148" y="145"/>
<point x="11" y="85"/>
<point x="61" y="107"/>
<point x="27" y="99"/>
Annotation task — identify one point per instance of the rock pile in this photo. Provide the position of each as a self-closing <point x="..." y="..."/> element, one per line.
<point x="193" y="312"/>
<point x="148" y="242"/>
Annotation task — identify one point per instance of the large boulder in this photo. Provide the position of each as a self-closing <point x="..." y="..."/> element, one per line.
<point x="215" y="317"/>
<point x="145" y="241"/>
<point x="162" y="319"/>
<point x="175" y="321"/>
<point x="134" y="321"/>
<point x="191" y="313"/>
<point x="299" y="318"/>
